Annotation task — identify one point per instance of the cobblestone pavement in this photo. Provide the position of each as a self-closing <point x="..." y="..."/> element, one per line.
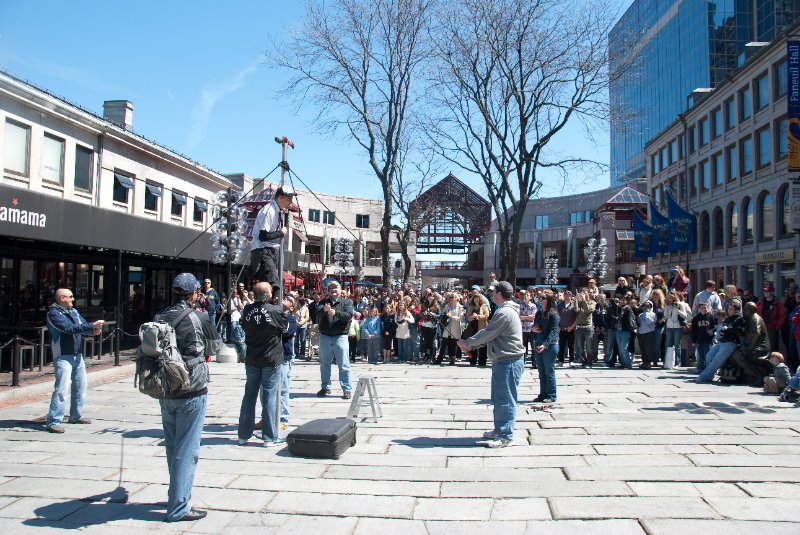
<point x="623" y="452"/>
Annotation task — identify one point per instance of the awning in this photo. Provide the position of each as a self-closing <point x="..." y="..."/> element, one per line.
<point x="200" y="206"/>
<point x="180" y="199"/>
<point x="300" y="235"/>
<point x="124" y="181"/>
<point x="154" y="190"/>
<point x="625" y="235"/>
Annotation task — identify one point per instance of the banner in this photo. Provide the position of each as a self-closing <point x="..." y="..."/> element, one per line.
<point x="793" y="104"/>
<point x="660" y="224"/>
<point x="682" y="227"/>
<point x="642" y="237"/>
<point x="570" y="248"/>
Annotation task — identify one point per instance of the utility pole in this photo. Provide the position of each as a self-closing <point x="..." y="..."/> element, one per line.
<point x="283" y="141"/>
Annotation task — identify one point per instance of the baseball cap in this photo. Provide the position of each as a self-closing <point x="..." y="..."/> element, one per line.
<point x="505" y="289"/>
<point x="285" y="191"/>
<point x="186" y="282"/>
<point x="334" y="283"/>
<point x="475" y="287"/>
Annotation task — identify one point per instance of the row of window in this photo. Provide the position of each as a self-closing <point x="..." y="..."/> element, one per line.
<point x="738" y="107"/>
<point x="153" y="193"/>
<point x="329" y="218"/>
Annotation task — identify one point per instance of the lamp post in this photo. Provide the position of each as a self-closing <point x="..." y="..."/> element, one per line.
<point x="637" y="274"/>
<point x="551" y="270"/>
<point x="343" y="255"/>
<point x="596" y="265"/>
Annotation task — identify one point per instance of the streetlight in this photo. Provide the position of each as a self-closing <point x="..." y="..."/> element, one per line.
<point x="343" y="256"/>
<point x="637" y="274"/>
<point x="596" y="257"/>
<point x="551" y="270"/>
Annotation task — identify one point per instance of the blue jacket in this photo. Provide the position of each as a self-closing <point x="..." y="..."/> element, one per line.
<point x="66" y="327"/>
<point x="288" y="338"/>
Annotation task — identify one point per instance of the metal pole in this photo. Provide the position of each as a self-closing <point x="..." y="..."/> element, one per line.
<point x="17" y="364"/>
<point x="228" y="272"/>
<point x="118" y="315"/>
<point x="282" y="247"/>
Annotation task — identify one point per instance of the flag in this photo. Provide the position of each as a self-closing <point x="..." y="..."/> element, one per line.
<point x="793" y="104"/>
<point x="569" y="247"/>
<point x="642" y="237"/>
<point x="660" y="224"/>
<point x="682" y="227"/>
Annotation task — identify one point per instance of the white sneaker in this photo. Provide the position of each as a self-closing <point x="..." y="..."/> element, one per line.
<point x="490" y="435"/>
<point x="242" y="441"/>
<point x="500" y="443"/>
<point x="274" y="443"/>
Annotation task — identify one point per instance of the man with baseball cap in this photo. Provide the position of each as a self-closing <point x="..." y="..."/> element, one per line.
<point x="503" y="335"/>
<point x="334" y="314"/>
<point x="268" y="233"/>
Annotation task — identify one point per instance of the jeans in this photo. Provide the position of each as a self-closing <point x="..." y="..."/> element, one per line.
<point x="374" y="345"/>
<point x="428" y="338"/>
<point x="414" y="345"/>
<point x="182" y="420"/>
<point x="286" y="385"/>
<point x="583" y="338"/>
<point x="594" y="351"/>
<point x="300" y="342"/>
<point x="266" y="380"/>
<point x="403" y="349"/>
<point x="674" y="337"/>
<point x="716" y="357"/>
<point x="70" y="372"/>
<point x="647" y="345"/>
<point x="546" y="366"/>
<point x="566" y="343"/>
<point x="330" y="347"/>
<point x="505" y="380"/>
<point x="623" y="340"/>
<point x="701" y="351"/>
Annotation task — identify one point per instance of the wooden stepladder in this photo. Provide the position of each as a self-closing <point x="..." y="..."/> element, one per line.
<point x="366" y="384"/>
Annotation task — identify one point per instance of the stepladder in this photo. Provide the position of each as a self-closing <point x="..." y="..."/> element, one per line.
<point x="365" y="386"/>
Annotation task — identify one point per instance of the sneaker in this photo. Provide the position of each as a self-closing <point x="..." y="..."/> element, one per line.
<point x="490" y="435"/>
<point x="191" y="516"/>
<point x="274" y="443"/>
<point x="81" y="421"/>
<point x="548" y="400"/>
<point x="55" y="429"/>
<point x="538" y="399"/>
<point x="499" y="443"/>
<point x="324" y="392"/>
<point x="700" y="380"/>
<point x="346" y="395"/>
<point x="241" y="441"/>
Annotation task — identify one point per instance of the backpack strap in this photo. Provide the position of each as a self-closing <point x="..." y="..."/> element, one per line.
<point x="182" y="316"/>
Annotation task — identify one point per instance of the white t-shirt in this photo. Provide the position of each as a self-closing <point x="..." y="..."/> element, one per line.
<point x="268" y="219"/>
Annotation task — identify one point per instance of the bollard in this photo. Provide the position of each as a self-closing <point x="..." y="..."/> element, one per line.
<point x="16" y="365"/>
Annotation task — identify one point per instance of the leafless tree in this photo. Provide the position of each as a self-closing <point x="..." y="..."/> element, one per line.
<point x="358" y="62"/>
<point x="512" y="74"/>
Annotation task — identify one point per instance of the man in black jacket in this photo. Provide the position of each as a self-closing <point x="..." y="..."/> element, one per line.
<point x="263" y="324"/>
<point x="182" y="416"/>
<point x="334" y="314"/>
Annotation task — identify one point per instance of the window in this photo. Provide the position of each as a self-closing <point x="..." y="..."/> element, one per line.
<point x="764" y="148"/>
<point x="574" y="218"/>
<point x="122" y="184"/>
<point x="786" y="212"/>
<point x="747" y="214"/>
<point x="762" y="92"/>
<point x="781" y="79"/>
<point x="152" y="192"/>
<point x="313" y="215"/>
<point x="178" y="202"/>
<point x="681" y="151"/>
<point x="654" y="164"/>
<point x="656" y="195"/>
<point x="200" y="208"/>
<point x="83" y="168"/>
<point x="329" y="218"/>
<point x="702" y="128"/>
<point x="673" y="151"/>
<point x="747" y="156"/>
<point x="53" y="159"/>
<point x="17" y="148"/>
<point x="719" y="169"/>
<point x="705" y="231"/>
<point x="766" y="218"/>
<point x="705" y="176"/>
<point x="694" y="184"/>
<point x="587" y="216"/>
<point x="718" y="229"/>
<point x="716" y="123"/>
<point x="664" y="157"/>
<point x="691" y="140"/>
<point x="745" y="104"/>
<point x="782" y="143"/>
<point x="542" y="221"/>
<point x="733" y="226"/>
<point x="732" y="162"/>
<point x="730" y="114"/>
<point x="362" y="221"/>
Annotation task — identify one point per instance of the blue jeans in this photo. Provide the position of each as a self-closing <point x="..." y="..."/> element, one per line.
<point x="701" y="350"/>
<point x="623" y="340"/>
<point x="403" y="349"/>
<point x="373" y="349"/>
<point x="546" y="366"/>
<point x="414" y="345"/>
<point x="330" y="347"/>
<point x="265" y="380"/>
<point x="286" y="385"/>
<point x="300" y="342"/>
<point x="505" y="380"/>
<point x="182" y="420"/>
<point x="716" y="357"/>
<point x="70" y="374"/>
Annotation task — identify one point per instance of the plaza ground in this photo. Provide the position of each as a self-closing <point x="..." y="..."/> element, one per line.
<point x="623" y="452"/>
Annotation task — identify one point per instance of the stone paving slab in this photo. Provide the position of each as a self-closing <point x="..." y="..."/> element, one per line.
<point x="543" y="489"/>
<point x="728" y="527"/>
<point x="630" y="507"/>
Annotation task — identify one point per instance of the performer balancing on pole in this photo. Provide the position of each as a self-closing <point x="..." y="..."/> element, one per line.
<point x="268" y="233"/>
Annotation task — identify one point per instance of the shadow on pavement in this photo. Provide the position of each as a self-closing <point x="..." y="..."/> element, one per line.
<point x="439" y="442"/>
<point x="708" y="407"/>
<point x="31" y="425"/>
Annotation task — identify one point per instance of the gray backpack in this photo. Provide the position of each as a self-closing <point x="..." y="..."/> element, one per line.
<point x="161" y="372"/>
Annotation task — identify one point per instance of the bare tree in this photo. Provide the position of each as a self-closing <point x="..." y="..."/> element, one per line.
<point x="512" y="74"/>
<point x="358" y="61"/>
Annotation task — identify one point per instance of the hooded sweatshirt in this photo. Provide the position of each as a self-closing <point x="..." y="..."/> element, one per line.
<point x="503" y="334"/>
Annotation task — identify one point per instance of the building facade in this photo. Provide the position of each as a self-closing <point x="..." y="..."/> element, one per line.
<point x="668" y="50"/>
<point x="725" y="159"/>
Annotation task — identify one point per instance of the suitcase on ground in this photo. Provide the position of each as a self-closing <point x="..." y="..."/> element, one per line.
<point x="730" y="373"/>
<point x="326" y="438"/>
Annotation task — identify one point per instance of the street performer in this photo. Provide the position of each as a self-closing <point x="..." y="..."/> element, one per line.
<point x="268" y="233"/>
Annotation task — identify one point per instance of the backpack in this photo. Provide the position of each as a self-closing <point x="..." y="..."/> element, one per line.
<point x="730" y="373"/>
<point x="161" y="372"/>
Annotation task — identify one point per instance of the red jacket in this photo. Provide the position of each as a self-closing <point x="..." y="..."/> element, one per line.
<point x="777" y="314"/>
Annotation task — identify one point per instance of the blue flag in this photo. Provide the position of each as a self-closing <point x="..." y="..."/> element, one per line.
<point x="682" y="227"/>
<point x="642" y="237"/>
<point x="660" y="224"/>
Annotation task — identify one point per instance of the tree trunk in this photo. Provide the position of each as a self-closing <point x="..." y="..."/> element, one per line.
<point x="386" y="230"/>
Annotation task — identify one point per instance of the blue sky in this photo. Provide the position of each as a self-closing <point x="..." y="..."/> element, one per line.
<point x="199" y="84"/>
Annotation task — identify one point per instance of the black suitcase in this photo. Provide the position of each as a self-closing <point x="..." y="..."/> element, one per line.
<point x="730" y="373"/>
<point x="326" y="438"/>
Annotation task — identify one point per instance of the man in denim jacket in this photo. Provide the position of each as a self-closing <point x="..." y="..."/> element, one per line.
<point x="66" y="327"/>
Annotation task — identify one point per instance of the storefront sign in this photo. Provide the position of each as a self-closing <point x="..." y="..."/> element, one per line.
<point x="780" y="255"/>
<point x="793" y="106"/>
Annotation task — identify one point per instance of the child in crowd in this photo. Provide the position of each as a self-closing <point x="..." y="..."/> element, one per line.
<point x="288" y="355"/>
<point x="371" y="331"/>
<point x="646" y="322"/>
<point x="704" y="328"/>
<point x="389" y="329"/>
<point x="775" y="383"/>
<point x="353" y="334"/>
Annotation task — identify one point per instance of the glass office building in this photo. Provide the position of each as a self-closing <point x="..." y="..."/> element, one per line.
<point x="662" y="51"/>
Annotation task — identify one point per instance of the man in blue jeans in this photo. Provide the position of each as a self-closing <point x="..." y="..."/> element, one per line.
<point x="729" y="339"/>
<point x="66" y="327"/>
<point x="503" y="335"/>
<point x="334" y="314"/>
